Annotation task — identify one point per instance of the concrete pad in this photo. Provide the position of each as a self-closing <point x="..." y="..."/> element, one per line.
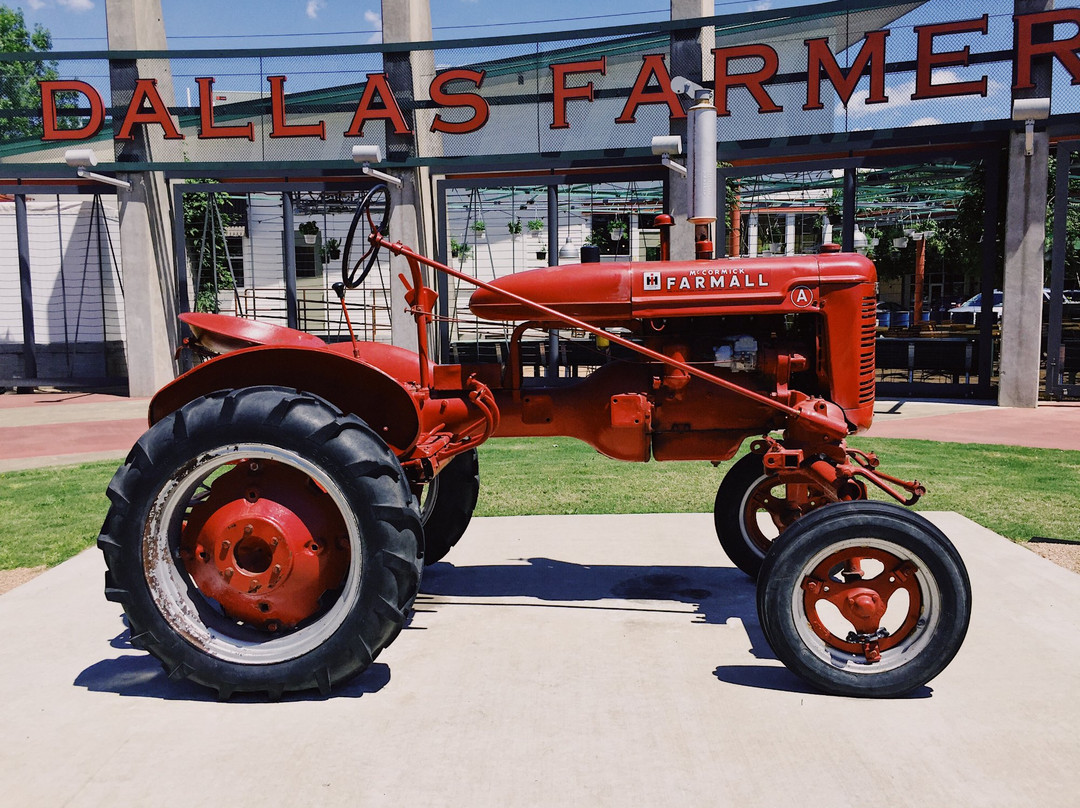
<point x="583" y="660"/>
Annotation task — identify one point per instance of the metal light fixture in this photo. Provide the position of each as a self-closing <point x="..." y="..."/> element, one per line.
<point x="1030" y="110"/>
<point x="80" y="159"/>
<point x="367" y="153"/>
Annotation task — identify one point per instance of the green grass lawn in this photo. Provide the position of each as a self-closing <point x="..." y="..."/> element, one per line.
<point x="48" y="515"/>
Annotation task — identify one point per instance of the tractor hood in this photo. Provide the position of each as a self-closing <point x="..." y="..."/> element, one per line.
<point x="619" y="292"/>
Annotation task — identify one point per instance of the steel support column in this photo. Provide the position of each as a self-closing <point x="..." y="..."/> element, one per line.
<point x="288" y="246"/>
<point x="553" y="261"/>
<point x="26" y="292"/>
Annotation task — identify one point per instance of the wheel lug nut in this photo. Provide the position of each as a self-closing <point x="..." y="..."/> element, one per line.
<point x="248" y="530"/>
<point x="228" y="573"/>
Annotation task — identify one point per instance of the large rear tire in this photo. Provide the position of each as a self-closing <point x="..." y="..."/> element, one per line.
<point x="260" y="540"/>
<point x="864" y="599"/>
<point x="447" y="505"/>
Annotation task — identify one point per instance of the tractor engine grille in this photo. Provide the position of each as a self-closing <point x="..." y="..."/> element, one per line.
<point x="867" y="340"/>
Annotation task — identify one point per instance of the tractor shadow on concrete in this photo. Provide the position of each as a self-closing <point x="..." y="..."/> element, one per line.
<point x="717" y="594"/>
<point x="140" y="675"/>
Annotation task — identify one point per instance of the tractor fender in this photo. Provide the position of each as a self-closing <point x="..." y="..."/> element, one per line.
<point x="349" y="384"/>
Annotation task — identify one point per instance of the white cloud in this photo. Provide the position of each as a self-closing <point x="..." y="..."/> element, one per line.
<point x="36" y="4"/>
<point x="314" y="7"/>
<point x="761" y="6"/>
<point x="927" y="122"/>
<point x="373" y="18"/>
<point x="899" y="95"/>
<point x="76" y="5"/>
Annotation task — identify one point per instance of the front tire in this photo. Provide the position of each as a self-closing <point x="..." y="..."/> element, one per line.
<point x="864" y="599"/>
<point x="260" y="540"/>
<point x="447" y="505"/>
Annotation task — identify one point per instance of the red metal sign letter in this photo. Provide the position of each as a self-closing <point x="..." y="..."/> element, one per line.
<point x="377" y="88"/>
<point x="753" y="81"/>
<point x="49" y="113"/>
<point x="562" y="93"/>
<point x="444" y="99"/>
<point x="653" y="67"/>
<point x="927" y="60"/>
<point x="819" y="56"/>
<point x="207" y="127"/>
<point x="146" y="90"/>
<point x="278" y="127"/>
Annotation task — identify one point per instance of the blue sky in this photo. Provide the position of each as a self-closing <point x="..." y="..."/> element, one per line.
<point x="80" y="24"/>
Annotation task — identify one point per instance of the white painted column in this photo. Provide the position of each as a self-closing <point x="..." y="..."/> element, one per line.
<point x="146" y="245"/>
<point x="752" y="236"/>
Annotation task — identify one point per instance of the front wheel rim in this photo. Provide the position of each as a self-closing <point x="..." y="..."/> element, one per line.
<point x="909" y="629"/>
<point x="201" y="619"/>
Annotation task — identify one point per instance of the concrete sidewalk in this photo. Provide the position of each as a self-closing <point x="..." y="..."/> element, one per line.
<point x="578" y="661"/>
<point x="53" y="429"/>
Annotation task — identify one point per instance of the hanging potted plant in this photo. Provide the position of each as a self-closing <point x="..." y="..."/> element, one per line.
<point x="514" y="226"/>
<point x="331" y="250"/>
<point x="590" y="250"/>
<point x="310" y="231"/>
<point x="459" y="250"/>
<point x="479" y="228"/>
<point x="535" y="226"/>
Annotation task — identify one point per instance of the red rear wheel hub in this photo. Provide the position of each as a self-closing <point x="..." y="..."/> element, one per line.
<point x="267" y="544"/>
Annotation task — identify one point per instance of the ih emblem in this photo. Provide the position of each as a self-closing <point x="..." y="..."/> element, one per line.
<point x="652" y="281"/>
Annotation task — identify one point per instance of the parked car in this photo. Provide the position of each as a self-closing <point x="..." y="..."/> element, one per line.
<point x="974" y="304"/>
<point x="969" y="309"/>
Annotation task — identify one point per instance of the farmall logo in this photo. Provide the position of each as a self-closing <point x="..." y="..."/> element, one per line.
<point x="713" y="279"/>
<point x="652" y="281"/>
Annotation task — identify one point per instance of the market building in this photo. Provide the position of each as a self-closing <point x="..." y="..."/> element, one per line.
<point x="921" y="133"/>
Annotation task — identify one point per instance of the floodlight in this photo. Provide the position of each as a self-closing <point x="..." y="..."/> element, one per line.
<point x="365" y="153"/>
<point x="79" y="159"/>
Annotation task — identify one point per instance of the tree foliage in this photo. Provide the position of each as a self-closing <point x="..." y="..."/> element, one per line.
<point x="20" y="96"/>
<point x="1072" y="225"/>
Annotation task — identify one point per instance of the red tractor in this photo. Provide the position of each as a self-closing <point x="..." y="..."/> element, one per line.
<point x="268" y="532"/>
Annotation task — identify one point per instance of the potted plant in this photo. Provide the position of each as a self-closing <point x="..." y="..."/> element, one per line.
<point x="310" y="231"/>
<point x="514" y="226"/>
<point x="479" y="228"/>
<point x="541" y="254"/>
<point x="535" y="226"/>
<point x="331" y="250"/>
<point x="459" y="250"/>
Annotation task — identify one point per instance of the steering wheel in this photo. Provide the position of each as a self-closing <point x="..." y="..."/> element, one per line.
<point x="375" y="208"/>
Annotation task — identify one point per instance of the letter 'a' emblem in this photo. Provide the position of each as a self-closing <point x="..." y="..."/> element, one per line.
<point x="652" y="281"/>
<point x="802" y="296"/>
